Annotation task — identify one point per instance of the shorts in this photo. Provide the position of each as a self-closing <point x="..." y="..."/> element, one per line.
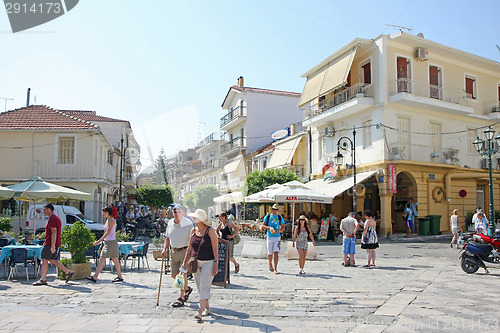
<point x="48" y="255"/>
<point x="349" y="245"/>
<point x="455" y="230"/>
<point x="273" y="245"/>
<point x="110" y="249"/>
<point x="409" y="223"/>
<point x="230" y="249"/>
<point x="176" y="260"/>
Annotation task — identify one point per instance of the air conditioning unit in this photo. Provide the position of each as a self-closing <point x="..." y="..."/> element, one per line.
<point x="484" y="163"/>
<point x="421" y="54"/>
<point x="330" y="131"/>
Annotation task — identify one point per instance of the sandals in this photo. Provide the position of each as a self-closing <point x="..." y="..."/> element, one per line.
<point x="40" y="283"/>
<point x="206" y="313"/>
<point x="366" y="266"/>
<point x="187" y="293"/>
<point x="117" y="279"/>
<point x="237" y="269"/>
<point x="91" y="278"/>
<point x="178" y="303"/>
<point x="69" y="276"/>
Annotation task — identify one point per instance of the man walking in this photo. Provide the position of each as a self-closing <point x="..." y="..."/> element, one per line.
<point x="349" y="227"/>
<point x="50" y="250"/>
<point x="177" y="237"/>
<point x="274" y="224"/>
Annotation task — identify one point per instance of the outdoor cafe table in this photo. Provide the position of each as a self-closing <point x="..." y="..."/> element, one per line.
<point x="125" y="248"/>
<point x="7" y="250"/>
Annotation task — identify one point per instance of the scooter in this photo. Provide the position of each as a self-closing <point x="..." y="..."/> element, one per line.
<point x="142" y="226"/>
<point x="479" y="250"/>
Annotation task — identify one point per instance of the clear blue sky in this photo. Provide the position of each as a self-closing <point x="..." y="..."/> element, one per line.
<point x="166" y="66"/>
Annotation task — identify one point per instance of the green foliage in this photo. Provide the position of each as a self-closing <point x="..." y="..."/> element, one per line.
<point x="40" y="235"/>
<point x="468" y="217"/>
<point x="154" y="195"/>
<point x="204" y="196"/>
<point x="122" y="236"/>
<point x="77" y="239"/>
<point x="5" y="224"/>
<point x="188" y="200"/>
<point x="160" y="172"/>
<point x="158" y="241"/>
<point x="66" y="262"/>
<point x="257" y="181"/>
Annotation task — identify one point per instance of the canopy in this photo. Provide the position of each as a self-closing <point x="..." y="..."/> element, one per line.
<point x="283" y="153"/>
<point x="336" y="187"/>
<point x="6" y="193"/>
<point x="295" y="191"/>
<point x="232" y="166"/>
<point x="230" y="197"/>
<point x="262" y="196"/>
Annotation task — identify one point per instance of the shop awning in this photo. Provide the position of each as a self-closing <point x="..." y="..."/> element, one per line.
<point x="334" y="188"/>
<point x="283" y="153"/>
<point x="232" y="166"/>
<point x="329" y="78"/>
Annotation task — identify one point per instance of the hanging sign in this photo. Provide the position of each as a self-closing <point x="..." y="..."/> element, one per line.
<point x="279" y="134"/>
<point x="392" y="175"/>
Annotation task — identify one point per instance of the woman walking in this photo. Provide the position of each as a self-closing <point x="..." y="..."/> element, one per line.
<point x="110" y="248"/>
<point x="300" y="234"/>
<point x="224" y="229"/>
<point x="455" y="226"/>
<point x="203" y="245"/>
<point x="369" y="238"/>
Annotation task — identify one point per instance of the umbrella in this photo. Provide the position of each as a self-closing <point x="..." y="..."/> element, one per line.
<point x="230" y="197"/>
<point x="6" y="193"/>
<point x="35" y="189"/>
<point x="263" y="196"/>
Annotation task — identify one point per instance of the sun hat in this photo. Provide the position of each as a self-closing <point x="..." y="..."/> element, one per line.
<point x="201" y="216"/>
<point x="275" y="206"/>
<point x="303" y="217"/>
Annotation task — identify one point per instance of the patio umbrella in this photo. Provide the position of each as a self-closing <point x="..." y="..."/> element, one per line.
<point x="35" y="189"/>
<point x="6" y="193"/>
<point x="263" y="196"/>
<point x="230" y="197"/>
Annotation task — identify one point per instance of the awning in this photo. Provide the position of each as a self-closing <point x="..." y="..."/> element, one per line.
<point x="283" y="153"/>
<point x="331" y="77"/>
<point x="334" y="188"/>
<point x="232" y="166"/>
<point x="230" y="198"/>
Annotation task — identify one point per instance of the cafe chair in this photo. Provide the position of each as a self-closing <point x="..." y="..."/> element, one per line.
<point x="18" y="256"/>
<point x="3" y="242"/>
<point x="140" y="253"/>
<point x="93" y="253"/>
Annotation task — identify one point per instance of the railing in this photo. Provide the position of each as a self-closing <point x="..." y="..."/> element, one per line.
<point x="492" y="106"/>
<point x="230" y="184"/>
<point x="340" y="97"/>
<point x="239" y="142"/>
<point x="233" y="114"/>
<point x="81" y="169"/>
<point x="427" y="90"/>
<point x="208" y="139"/>
<point x="210" y="164"/>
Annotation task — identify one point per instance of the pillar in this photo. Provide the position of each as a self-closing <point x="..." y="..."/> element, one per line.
<point x="385" y="213"/>
<point x="360" y="202"/>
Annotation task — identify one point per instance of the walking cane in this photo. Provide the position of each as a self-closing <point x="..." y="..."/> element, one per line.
<point x="159" y="286"/>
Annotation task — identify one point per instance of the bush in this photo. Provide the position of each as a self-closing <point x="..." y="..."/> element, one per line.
<point x="6" y="224"/>
<point x="122" y="236"/>
<point x="159" y="241"/>
<point x="76" y="240"/>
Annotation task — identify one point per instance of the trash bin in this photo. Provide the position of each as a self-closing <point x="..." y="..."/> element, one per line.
<point x="424" y="225"/>
<point x="435" y="224"/>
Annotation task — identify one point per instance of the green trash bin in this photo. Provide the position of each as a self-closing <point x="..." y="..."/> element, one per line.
<point x="424" y="223"/>
<point x="435" y="224"/>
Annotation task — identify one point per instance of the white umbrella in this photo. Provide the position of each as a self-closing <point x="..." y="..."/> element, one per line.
<point x="6" y="193"/>
<point x="230" y="197"/>
<point x="263" y="196"/>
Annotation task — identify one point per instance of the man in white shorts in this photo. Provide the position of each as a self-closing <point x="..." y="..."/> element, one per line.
<point x="274" y="224"/>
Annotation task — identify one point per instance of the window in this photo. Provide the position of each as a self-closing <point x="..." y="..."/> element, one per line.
<point x="367" y="133"/>
<point x="403" y="132"/>
<point x="480" y="196"/>
<point x="470" y="87"/>
<point x="471" y="137"/>
<point x="366" y="73"/>
<point x="403" y="74"/>
<point x="110" y="157"/>
<point x="436" y="137"/>
<point x="435" y="82"/>
<point x="66" y="150"/>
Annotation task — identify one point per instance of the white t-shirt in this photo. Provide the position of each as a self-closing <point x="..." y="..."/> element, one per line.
<point x="179" y="233"/>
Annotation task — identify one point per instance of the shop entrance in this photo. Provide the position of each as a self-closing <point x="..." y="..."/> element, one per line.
<point x="406" y="188"/>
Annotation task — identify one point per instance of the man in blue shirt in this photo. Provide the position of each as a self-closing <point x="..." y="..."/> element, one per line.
<point x="274" y="224"/>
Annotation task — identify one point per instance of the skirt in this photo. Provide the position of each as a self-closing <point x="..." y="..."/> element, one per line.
<point x="369" y="246"/>
<point x="110" y="249"/>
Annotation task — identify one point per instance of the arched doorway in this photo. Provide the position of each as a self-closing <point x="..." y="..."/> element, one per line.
<point x="406" y="188"/>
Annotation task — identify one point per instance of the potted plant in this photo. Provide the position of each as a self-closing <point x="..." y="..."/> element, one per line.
<point x="158" y="243"/>
<point x="451" y="156"/>
<point x="77" y="239"/>
<point x="496" y="108"/>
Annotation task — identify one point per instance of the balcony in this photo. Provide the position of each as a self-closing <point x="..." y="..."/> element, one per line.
<point x="81" y="170"/>
<point x="208" y="140"/>
<point x="492" y="109"/>
<point x="212" y="164"/>
<point x="231" y="184"/>
<point x="236" y="145"/>
<point x="348" y="101"/>
<point x="235" y="117"/>
<point x="428" y="96"/>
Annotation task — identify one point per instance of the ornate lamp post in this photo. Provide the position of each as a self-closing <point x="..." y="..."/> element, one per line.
<point x="343" y="144"/>
<point x="488" y="150"/>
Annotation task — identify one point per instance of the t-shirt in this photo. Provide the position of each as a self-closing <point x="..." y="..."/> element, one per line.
<point x="275" y="222"/>
<point x="179" y="233"/>
<point x="53" y="222"/>
<point x="408" y="214"/>
<point x="349" y="225"/>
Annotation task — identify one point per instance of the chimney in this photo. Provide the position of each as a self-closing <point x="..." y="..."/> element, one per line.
<point x="28" y="97"/>
<point x="241" y="82"/>
<point x="292" y="129"/>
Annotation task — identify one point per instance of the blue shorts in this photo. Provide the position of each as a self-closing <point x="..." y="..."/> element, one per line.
<point x="409" y="224"/>
<point x="349" y="245"/>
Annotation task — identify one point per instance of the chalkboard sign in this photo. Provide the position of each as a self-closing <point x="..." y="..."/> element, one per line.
<point x="222" y="276"/>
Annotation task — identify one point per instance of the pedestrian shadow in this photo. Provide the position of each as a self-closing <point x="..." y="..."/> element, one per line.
<point x="239" y="319"/>
<point x="73" y="287"/>
<point x="259" y="277"/>
<point x="392" y="268"/>
<point x="3" y="287"/>
<point x="324" y="276"/>
<point x="239" y="287"/>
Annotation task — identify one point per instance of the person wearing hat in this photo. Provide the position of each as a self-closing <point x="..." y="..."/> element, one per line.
<point x="274" y="224"/>
<point x="177" y="237"/>
<point x="302" y="230"/>
<point x="203" y="245"/>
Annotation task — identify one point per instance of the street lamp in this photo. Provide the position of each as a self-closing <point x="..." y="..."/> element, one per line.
<point x="339" y="160"/>
<point x="489" y="133"/>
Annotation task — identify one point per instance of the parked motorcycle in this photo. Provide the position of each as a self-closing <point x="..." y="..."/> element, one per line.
<point x="479" y="250"/>
<point x="142" y="226"/>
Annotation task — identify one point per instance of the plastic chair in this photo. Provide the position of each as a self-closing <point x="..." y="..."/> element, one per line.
<point x="18" y="256"/>
<point x="141" y="253"/>
<point x="4" y="242"/>
<point x="92" y="252"/>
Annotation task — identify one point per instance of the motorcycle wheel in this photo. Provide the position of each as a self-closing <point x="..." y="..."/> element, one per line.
<point x="467" y="267"/>
<point x="152" y="233"/>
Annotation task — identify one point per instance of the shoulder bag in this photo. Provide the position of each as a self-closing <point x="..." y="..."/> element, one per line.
<point x="192" y="264"/>
<point x="236" y="239"/>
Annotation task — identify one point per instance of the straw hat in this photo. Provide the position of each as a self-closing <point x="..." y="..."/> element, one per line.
<point x="302" y="217"/>
<point x="201" y="216"/>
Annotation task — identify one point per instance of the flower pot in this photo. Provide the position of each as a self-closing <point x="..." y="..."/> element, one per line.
<point x="81" y="271"/>
<point x="156" y="254"/>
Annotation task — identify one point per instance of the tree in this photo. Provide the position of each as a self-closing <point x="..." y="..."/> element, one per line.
<point x="188" y="200"/>
<point x="257" y="181"/>
<point x="204" y="196"/>
<point x="154" y="195"/>
<point x="160" y="172"/>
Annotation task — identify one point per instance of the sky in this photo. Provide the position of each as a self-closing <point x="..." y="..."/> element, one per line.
<point x="166" y="66"/>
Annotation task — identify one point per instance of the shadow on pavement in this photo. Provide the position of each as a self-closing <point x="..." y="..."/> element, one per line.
<point x="325" y="276"/>
<point x="2" y="287"/>
<point x="237" y="286"/>
<point x="73" y="287"/>
<point x="254" y="276"/>
<point x="235" y="318"/>
<point x="390" y="268"/>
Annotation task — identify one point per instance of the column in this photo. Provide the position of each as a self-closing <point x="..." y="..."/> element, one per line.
<point x="385" y="213"/>
<point x="360" y="202"/>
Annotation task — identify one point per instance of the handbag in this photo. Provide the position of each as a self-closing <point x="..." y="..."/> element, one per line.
<point x="192" y="264"/>
<point x="236" y="239"/>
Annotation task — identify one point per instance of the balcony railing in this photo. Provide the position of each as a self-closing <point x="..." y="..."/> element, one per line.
<point x="427" y="90"/>
<point x="239" y="142"/>
<point x="81" y="169"/>
<point x="211" y="164"/>
<point x="233" y="114"/>
<point x="341" y="97"/>
<point x="212" y="137"/>
<point x="230" y="184"/>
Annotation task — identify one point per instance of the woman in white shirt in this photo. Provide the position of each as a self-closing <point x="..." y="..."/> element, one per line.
<point x="455" y="227"/>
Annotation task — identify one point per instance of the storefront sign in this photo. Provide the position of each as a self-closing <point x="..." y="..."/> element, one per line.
<point x="279" y="134"/>
<point x="392" y="175"/>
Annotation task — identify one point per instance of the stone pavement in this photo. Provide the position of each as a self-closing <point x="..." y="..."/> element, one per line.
<point x="416" y="286"/>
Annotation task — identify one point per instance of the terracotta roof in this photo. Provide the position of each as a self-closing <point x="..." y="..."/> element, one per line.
<point x="260" y="90"/>
<point x="262" y="149"/>
<point x="91" y="116"/>
<point x="41" y="117"/>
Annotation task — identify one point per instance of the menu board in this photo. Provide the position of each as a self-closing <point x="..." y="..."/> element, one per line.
<point x="222" y="276"/>
<point x="323" y="231"/>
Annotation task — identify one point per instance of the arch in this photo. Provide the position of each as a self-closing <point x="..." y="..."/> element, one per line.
<point x="406" y="188"/>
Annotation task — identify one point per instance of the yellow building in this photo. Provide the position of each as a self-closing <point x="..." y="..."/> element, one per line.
<point x="417" y="106"/>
